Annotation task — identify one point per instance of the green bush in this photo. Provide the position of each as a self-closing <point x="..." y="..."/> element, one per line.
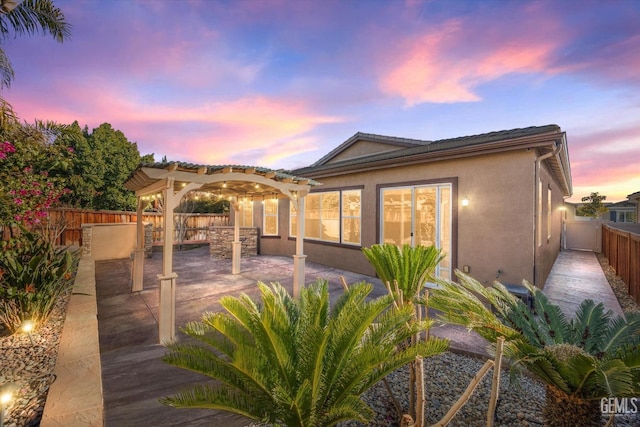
<point x="33" y="275"/>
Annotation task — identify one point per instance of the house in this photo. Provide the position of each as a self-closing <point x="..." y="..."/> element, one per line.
<point x="635" y="197"/>
<point x="492" y="202"/>
<point x="624" y="211"/>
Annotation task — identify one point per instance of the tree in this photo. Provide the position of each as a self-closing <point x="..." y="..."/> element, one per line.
<point x="592" y="356"/>
<point x="116" y="159"/>
<point x="297" y="362"/>
<point x="28" y="17"/>
<point x="86" y="175"/>
<point x="593" y="206"/>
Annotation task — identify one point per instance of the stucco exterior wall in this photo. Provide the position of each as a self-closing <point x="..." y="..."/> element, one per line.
<point x="494" y="233"/>
<point x="551" y="221"/>
<point x="363" y="148"/>
<point x="108" y="241"/>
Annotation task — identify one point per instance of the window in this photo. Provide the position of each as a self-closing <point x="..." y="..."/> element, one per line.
<point x="330" y="216"/>
<point x="548" y="213"/>
<point x="539" y="214"/>
<point x="245" y="214"/>
<point x="351" y="217"/>
<point x="270" y="217"/>
<point x="625" y="216"/>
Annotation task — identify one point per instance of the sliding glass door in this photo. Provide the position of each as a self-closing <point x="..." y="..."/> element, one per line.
<point x="418" y="215"/>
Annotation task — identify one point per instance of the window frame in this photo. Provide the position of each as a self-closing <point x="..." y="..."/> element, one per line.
<point x="340" y="219"/>
<point x="275" y="202"/>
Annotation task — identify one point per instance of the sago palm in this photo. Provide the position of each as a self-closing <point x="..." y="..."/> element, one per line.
<point x="581" y="360"/>
<point x="405" y="272"/>
<point x="410" y="267"/>
<point x="296" y="362"/>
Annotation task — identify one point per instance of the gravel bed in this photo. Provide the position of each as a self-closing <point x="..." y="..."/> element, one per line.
<point x="29" y="363"/>
<point x="447" y="376"/>
<point x="620" y="289"/>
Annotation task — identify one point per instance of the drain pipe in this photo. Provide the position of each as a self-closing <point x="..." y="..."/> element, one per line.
<point x="538" y="200"/>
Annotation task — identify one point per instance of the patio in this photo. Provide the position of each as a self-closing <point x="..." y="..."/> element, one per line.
<point x="134" y="377"/>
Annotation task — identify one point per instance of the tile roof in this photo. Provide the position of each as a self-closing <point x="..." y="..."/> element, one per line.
<point x="422" y="146"/>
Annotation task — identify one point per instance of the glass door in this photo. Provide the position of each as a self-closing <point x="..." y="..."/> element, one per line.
<point x="418" y="215"/>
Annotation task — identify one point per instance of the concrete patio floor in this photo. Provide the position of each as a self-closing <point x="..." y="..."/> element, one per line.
<point x="134" y="377"/>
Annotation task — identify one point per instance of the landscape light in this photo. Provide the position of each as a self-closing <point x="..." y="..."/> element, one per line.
<point x="7" y="392"/>
<point x="28" y="326"/>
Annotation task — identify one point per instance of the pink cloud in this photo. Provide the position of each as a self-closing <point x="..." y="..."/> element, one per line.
<point x="606" y="161"/>
<point x="424" y="67"/>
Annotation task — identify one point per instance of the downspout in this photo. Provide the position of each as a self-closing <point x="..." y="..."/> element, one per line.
<point x="556" y="149"/>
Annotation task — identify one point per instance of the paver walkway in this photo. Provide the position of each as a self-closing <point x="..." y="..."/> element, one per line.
<point x="134" y="377"/>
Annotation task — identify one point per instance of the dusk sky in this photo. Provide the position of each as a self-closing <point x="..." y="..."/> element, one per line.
<point x="281" y="83"/>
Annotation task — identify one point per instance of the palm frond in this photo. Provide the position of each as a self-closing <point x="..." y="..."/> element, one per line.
<point x="589" y="326"/>
<point x="615" y="378"/>
<point x="621" y="332"/>
<point x="219" y="398"/>
<point x="6" y="69"/>
<point x="33" y="16"/>
<point x="552" y="322"/>
<point x="411" y="267"/>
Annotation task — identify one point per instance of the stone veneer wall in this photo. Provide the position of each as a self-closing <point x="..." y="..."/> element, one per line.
<point x="87" y="233"/>
<point x="221" y="239"/>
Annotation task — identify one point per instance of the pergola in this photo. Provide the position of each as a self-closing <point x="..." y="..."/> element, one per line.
<point x="172" y="181"/>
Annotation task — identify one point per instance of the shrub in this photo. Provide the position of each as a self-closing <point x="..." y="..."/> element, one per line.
<point x="33" y="275"/>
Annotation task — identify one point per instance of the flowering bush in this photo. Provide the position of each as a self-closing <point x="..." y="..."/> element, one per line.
<point x="27" y="195"/>
<point x="33" y="273"/>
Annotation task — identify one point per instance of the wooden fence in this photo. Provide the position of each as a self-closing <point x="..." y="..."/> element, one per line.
<point x="621" y="246"/>
<point x="70" y="222"/>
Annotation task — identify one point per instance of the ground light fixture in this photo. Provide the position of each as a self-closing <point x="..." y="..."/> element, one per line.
<point x="7" y="394"/>
<point x="28" y="326"/>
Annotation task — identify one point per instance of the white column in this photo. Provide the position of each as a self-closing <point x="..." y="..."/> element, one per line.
<point x="138" y="255"/>
<point x="167" y="315"/>
<point x="299" y="257"/>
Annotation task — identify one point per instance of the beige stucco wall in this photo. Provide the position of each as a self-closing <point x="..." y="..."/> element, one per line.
<point x="109" y="241"/>
<point x="494" y="233"/>
<point x="363" y="148"/>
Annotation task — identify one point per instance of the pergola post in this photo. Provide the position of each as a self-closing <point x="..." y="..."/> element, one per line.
<point x="167" y="315"/>
<point x="138" y="255"/>
<point x="299" y="257"/>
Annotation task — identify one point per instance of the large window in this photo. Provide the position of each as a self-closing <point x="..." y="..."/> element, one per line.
<point x="330" y="216"/>
<point x="548" y="213"/>
<point x="270" y="217"/>
<point x="245" y="214"/>
<point x="418" y="216"/>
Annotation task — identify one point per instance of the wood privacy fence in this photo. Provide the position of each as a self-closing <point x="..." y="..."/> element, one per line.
<point x="70" y="221"/>
<point x="621" y="246"/>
